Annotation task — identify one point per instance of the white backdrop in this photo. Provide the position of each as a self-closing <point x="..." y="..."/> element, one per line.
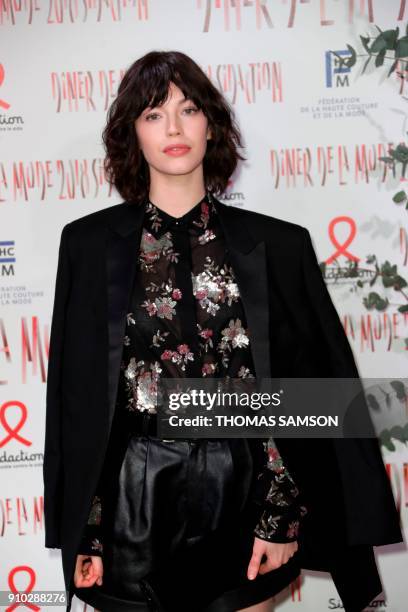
<point x="313" y="139"/>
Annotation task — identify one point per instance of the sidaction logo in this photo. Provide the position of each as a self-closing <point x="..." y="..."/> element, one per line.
<point x="12" y="432"/>
<point x="336" y="273"/>
<point x="7" y="122"/>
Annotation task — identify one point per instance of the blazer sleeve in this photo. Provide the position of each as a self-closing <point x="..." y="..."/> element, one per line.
<point x="92" y="540"/>
<point x="53" y="475"/>
<point x="342" y="363"/>
<point x="281" y="500"/>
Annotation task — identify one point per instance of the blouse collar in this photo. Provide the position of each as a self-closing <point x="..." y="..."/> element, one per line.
<point x="199" y="218"/>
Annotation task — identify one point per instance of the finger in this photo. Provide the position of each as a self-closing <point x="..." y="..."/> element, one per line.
<point x="81" y="580"/>
<point x="91" y="571"/>
<point x="98" y="568"/>
<point x="78" y="573"/>
<point x="270" y="564"/>
<point x="87" y="579"/>
<point x="254" y="564"/>
<point x="274" y="560"/>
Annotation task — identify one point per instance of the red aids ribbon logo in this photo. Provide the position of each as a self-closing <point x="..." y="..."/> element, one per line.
<point x="3" y="103"/>
<point x="342" y="248"/>
<point x="30" y="571"/>
<point x="13" y="432"/>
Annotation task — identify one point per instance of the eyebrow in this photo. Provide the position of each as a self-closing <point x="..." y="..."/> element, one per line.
<point x="180" y="101"/>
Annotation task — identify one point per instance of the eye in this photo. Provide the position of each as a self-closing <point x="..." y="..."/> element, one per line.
<point x="151" y="115"/>
<point x="191" y="108"/>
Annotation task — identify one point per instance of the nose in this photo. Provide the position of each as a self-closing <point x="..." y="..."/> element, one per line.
<point x="173" y="125"/>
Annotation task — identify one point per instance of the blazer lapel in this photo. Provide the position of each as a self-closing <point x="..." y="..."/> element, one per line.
<point x="247" y="257"/>
<point x="121" y="261"/>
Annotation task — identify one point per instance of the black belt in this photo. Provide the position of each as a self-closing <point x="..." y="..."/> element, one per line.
<point x="141" y="422"/>
<point x="144" y="423"/>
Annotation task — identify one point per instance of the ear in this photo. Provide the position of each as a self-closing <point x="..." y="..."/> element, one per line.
<point x="209" y="134"/>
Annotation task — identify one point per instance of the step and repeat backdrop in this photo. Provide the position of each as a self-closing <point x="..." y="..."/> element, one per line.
<point x="320" y="91"/>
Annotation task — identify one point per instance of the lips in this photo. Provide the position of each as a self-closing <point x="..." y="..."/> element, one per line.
<point x="176" y="148"/>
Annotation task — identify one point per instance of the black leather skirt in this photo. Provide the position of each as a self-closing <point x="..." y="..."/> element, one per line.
<point x="178" y="519"/>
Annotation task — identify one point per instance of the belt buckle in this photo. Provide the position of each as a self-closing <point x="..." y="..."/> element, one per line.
<point x="145" y="423"/>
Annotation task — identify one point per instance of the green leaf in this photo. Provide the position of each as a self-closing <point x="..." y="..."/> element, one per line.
<point x="401" y="48"/>
<point x="401" y="153"/>
<point x="379" y="60"/>
<point x="388" y="269"/>
<point x="397" y="433"/>
<point x="399" y="389"/>
<point x="399" y="282"/>
<point x="403" y="308"/>
<point x="365" y="41"/>
<point x="388" y="281"/>
<point x="386" y="441"/>
<point x="366" y="64"/>
<point x="393" y="67"/>
<point x="372" y="280"/>
<point x="390" y="37"/>
<point x="373" y="403"/>
<point x="399" y="197"/>
<point x="375" y="301"/>
<point x="350" y="61"/>
<point x="380" y="44"/>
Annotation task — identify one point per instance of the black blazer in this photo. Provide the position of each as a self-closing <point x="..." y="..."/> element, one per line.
<point x="295" y="331"/>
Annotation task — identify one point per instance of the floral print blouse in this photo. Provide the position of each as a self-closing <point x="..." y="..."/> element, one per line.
<point x="186" y="319"/>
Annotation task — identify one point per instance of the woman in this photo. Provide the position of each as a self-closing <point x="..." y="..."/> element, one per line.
<point x="175" y="524"/>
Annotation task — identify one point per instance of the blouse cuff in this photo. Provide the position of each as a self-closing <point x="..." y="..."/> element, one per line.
<point x="91" y="543"/>
<point x="280" y="528"/>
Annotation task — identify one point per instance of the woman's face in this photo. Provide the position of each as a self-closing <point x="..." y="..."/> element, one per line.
<point x="177" y="121"/>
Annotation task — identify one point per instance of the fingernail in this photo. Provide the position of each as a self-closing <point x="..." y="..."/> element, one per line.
<point x="251" y="575"/>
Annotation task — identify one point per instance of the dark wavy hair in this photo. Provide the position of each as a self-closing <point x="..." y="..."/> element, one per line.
<point x="146" y="83"/>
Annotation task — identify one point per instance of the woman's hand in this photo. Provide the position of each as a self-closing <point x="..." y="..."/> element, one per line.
<point x="276" y="555"/>
<point x="88" y="570"/>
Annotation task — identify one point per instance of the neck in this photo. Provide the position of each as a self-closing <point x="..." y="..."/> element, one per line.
<point x="178" y="195"/>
